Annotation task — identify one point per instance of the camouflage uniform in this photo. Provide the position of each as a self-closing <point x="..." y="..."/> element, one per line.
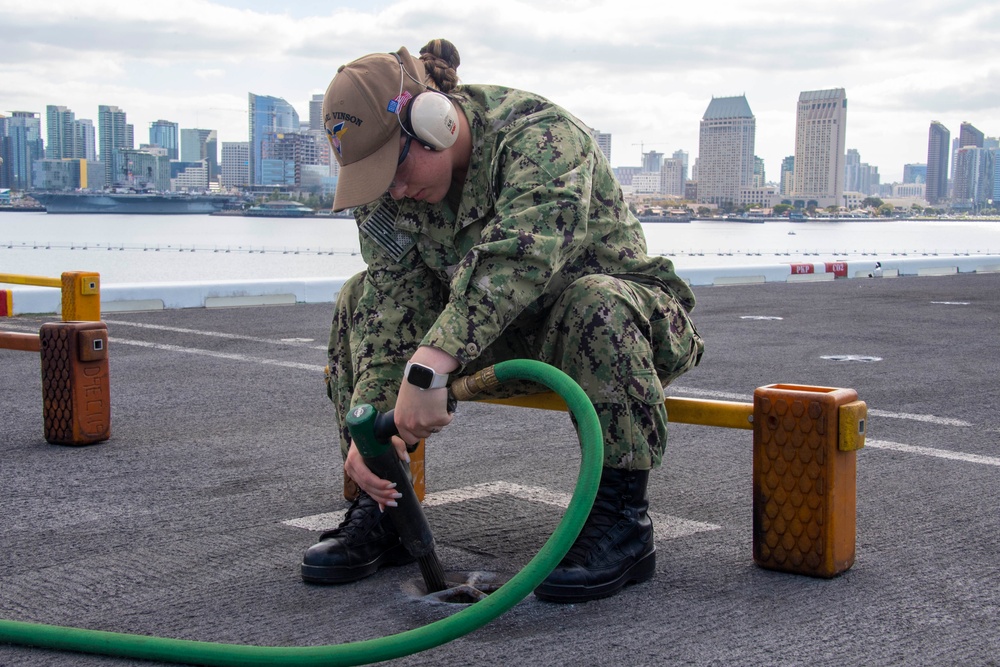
<point x="540" y="258"/>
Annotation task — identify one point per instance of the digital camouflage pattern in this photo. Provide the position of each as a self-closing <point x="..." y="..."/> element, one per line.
<point x="538" y="257"/>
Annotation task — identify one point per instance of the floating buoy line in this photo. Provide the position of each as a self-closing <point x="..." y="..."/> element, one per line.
<point x="152" y="247"/>
<point x="264" y="250"/>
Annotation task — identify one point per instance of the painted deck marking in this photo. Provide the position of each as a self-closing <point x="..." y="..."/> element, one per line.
<point x="666" y="527"/>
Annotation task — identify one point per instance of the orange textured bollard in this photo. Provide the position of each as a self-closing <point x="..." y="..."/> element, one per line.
<point x="76" y="394"/>
<point x="804" y="478"/>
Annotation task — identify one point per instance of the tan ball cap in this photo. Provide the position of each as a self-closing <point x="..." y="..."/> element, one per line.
<point x="360" y="116"/>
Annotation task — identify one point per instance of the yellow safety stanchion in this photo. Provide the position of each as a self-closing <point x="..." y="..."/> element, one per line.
<point x="81" y="296"/>
<point x="81" y="293"/>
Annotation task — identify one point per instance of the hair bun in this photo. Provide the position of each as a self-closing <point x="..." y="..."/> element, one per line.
<point x="441" y="60"/>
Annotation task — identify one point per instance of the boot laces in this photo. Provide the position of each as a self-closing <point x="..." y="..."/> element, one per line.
<point x="603" y="517"/>
<point x="361" y="517"/>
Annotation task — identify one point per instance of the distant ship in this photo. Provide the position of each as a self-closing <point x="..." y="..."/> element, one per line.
<point x="142" y="203"/>
<point x="280" y="209"/>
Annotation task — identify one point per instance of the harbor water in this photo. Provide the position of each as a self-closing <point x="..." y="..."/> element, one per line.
<point x="150" y="248"/>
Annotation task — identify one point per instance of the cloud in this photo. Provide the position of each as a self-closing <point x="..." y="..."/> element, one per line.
<point x="644" y="71"/>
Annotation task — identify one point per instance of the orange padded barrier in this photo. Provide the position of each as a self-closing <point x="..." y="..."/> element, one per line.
<point x="76" y="396"/>
<point x="804" y="478"/>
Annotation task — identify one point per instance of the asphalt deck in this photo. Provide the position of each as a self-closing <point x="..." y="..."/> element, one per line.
<point x="190" y="522"/>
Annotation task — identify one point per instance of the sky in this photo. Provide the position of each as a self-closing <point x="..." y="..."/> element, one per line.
<point x="643" y="71"/>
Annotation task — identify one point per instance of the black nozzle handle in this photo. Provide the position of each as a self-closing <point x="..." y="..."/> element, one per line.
<point x="372" y="433"/>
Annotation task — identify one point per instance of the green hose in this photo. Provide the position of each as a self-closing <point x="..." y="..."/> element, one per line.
<point x="386" y="648"/>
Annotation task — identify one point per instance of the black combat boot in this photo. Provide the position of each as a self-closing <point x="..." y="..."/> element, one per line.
<point x="365" y="541"/>
<point x="615" y="547"/>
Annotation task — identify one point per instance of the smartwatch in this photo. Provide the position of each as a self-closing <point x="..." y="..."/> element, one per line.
<point x="424" y="377"/>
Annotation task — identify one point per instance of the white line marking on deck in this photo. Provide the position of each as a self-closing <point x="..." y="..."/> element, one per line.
<point x="931" y="419"/>
<point x="930" y="451"/>
<point x="216" y="334"/>
<point x="666" y="527"/>
<point x="218" y="355"/>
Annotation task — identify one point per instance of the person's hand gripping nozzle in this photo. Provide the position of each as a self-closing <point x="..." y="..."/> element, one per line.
<point x="372" y="434"/>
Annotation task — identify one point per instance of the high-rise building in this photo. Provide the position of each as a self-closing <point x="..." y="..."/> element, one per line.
<point x="820" y="140"/>
<point x="651" y="161"/>
<point x="672" y="177"/>
<point x="682" y="155"/>
<point x="787" y="176"/>
<point x="914" y="173"/>
<point x="60" y="137"/>
<point x="938" y="153"/>
<point x="115" y="133"/>
<point x="968" y="135"/>
<point x="197" y="145"/>
<point x="603" y="142"/>
<point x="759" y="175"/>
<point x="269" y="118"/>
<point x="726" y="150"/>
<point x="165" y="134"/>
<point x="235" y="164"/>
<point x="852" y="170"/>
<point x="20" y="144"/>
<point x="316" y="114"/>
<point x="86" y="139"/>
<point x="974" y="172"/>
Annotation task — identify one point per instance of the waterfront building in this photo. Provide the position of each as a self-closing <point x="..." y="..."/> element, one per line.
<point x="58" y="174"/>
<point x="189" y="176"/>
<point x="683" y="157"/>
<point x="603" y="140"/>
<point x="911" y="190"/>
<point x="21" y="144"/>
<point x="288" y="153"/>
<point x="759" y="175"/>
<point x="115" y="134"/>
<point x="165" y="134"/>
<point x="625" y="174"/>
<point x="820" y="138"/>
<point x="651" y="161"/>
<point x="197" y="145"/>
<point x="968" y="135"/>
<point x="938" y="141"/>
<point x="59" y="134"/>
<point x="672" y="179"/>
<point x="316" y="114"/>
<point x="86" y="139"/>
<point x="235" y="164"/>
<point x="787" y="176"/>
<point x="726" y="150"/>
<point x="974" y="175"/>
<point x="646" y="183"/>
<point x="852" y="170"/>
<point x="269" y="118"/>
<point x="914" y="173"/>
<point x="764" y="196"/>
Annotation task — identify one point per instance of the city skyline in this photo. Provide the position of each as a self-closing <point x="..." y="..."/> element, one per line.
<point x="608" y="64"/>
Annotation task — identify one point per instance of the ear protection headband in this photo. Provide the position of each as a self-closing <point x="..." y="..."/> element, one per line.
<point x="430" y="118"/>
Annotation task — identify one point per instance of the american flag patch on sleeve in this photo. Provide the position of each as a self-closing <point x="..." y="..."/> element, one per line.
<point x="380" y="227"/>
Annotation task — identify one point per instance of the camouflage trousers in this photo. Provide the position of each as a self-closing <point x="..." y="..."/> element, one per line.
<point x="622" y="340"/>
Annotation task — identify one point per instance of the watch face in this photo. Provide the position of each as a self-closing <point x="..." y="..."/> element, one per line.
<point x="420" y="376"/>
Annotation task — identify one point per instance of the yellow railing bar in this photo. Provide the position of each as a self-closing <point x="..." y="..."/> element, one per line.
<point x="725" y="414"/>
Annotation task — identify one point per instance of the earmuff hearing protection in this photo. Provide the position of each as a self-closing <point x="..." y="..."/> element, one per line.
<point x="430" y="118"/>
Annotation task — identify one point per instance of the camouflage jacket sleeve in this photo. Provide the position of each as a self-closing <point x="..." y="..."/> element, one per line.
<point x="542" y="176"/>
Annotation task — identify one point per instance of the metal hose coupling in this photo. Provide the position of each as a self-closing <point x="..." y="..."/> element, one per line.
<point x="467" y="386"/>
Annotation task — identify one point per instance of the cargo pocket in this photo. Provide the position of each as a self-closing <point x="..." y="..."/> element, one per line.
<point x="646" y="417"/>
<point x="677" y="347"/>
